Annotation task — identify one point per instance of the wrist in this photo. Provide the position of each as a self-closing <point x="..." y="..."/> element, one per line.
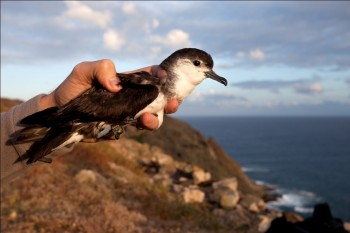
<point x="47" y="101"/>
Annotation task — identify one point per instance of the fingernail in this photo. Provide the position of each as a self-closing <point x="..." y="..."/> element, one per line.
<point x="115" y="84"/>
<point x="114" y="81"/>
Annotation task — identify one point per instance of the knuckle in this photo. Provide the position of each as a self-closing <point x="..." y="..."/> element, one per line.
<point x="106" y="64"/>
<point x="78" y="69"/>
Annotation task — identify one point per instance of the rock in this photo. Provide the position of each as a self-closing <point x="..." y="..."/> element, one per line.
<point x="292" y="217"/>
<point x="253" y="203"/>
<point x="321" y="221"/>
<point x="279" y="225"/>
<point x="229" y="200"/>
<point x="177" y="188"/>
<point x="347" y="226"/>
<point x="162" y="159"/>
<point x="184" y="180"/>
<point x="162" y="179"/>
<point x="226" y="184"/>
<point x="86" y="176"/>
<point x="192" y="195"/>
<point x="254" y="208"/>
<point x="225" y="193"/>
<point x="200" y="176"/>
<point x="264" y="224"/>
<point x="261" y="205"/>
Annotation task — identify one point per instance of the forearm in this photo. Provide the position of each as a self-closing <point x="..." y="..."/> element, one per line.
<point x="10" y="152"/>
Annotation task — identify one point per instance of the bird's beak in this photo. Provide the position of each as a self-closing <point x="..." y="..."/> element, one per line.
<point x="211" y="74"/>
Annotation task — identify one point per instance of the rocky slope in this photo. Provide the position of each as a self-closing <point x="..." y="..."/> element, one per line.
<point x="171" y="180"/>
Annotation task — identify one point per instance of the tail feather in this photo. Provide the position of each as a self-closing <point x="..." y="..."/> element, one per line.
<point x="55" y="137"/>
<point x="29" y="134"/>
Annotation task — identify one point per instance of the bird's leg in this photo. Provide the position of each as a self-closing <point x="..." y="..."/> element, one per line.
<point x="117" y="130"/>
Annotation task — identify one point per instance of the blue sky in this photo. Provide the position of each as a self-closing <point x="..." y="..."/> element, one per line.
<point x="280" y="58"/>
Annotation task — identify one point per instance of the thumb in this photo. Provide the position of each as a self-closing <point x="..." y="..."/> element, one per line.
<point x="106" y="75"/>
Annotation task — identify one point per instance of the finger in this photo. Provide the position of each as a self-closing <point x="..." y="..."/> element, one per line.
<point x="171" y="106"/>
<point x="105" y="73"/>
<point x="158" y="72"/>
<point x="148" y="121"/>
<point x="155" y="70"/>
<point x="147" y="69"/>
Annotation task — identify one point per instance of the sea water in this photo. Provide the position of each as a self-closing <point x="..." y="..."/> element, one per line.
<point x="305" y="159"/>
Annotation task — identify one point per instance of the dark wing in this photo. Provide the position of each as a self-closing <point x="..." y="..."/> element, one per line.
<point x="141" y="77"/>
<point x="97" y="104"/>
<point x="42" y="118"/>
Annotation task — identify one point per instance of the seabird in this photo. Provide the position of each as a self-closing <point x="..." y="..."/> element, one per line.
<point x="98" y="113"/>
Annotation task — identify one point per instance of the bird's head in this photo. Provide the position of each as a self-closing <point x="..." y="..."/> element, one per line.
<point x="193" y="65"/>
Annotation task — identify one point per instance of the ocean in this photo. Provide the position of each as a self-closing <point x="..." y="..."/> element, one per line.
<point x="305" y="159"/>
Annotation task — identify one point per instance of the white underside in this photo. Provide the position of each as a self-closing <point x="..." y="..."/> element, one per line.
<point x="75" y="138"/>
<point x="156" y="107"/>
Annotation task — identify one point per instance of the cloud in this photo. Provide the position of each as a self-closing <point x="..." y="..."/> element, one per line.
<point x="128" y="8"/>
<point x="155" y="23"/>
<point x="307" y="87"/>
<point x="174" y="38"/>
<point x="213" y="97"/>
<point x="324" y="108"/>
<point x="113" y="40"/>
<point x="240" y="54"/>
<point x="257" y="54"/>
<point x="302" y="34"/>
<point x="83" y="14"/>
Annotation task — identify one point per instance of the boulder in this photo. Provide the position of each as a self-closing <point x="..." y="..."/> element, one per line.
<point x="229" y="184"/>
<point x="321" y="221"/>
<point x="229" y="200"/>
<point x="253" y="203"/>
<point x="225" y="193"/>
<point x="192" y="195"/>
<point x="253" y="207"/>
<point x="264" y="224"/>
<point x="199" y="175"/>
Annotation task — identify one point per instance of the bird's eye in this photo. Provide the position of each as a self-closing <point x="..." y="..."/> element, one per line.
<point x="196" y="63"/>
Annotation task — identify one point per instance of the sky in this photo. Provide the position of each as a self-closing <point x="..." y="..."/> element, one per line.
<point x="280" y="58"/>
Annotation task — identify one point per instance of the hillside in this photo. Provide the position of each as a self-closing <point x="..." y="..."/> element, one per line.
<point x="170" y="180"/>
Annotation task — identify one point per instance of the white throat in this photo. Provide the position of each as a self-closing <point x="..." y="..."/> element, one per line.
<point x="183" y="88"/>
<point x="187" y="79"/>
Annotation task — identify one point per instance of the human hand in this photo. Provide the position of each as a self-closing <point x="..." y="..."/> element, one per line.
<point x="84" y="74"/>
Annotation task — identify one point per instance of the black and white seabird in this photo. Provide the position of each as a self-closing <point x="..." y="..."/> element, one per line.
<point x="98" y="113"/>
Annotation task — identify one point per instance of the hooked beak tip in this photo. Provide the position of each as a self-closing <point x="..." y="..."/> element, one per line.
<point x="211" y="74"/>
